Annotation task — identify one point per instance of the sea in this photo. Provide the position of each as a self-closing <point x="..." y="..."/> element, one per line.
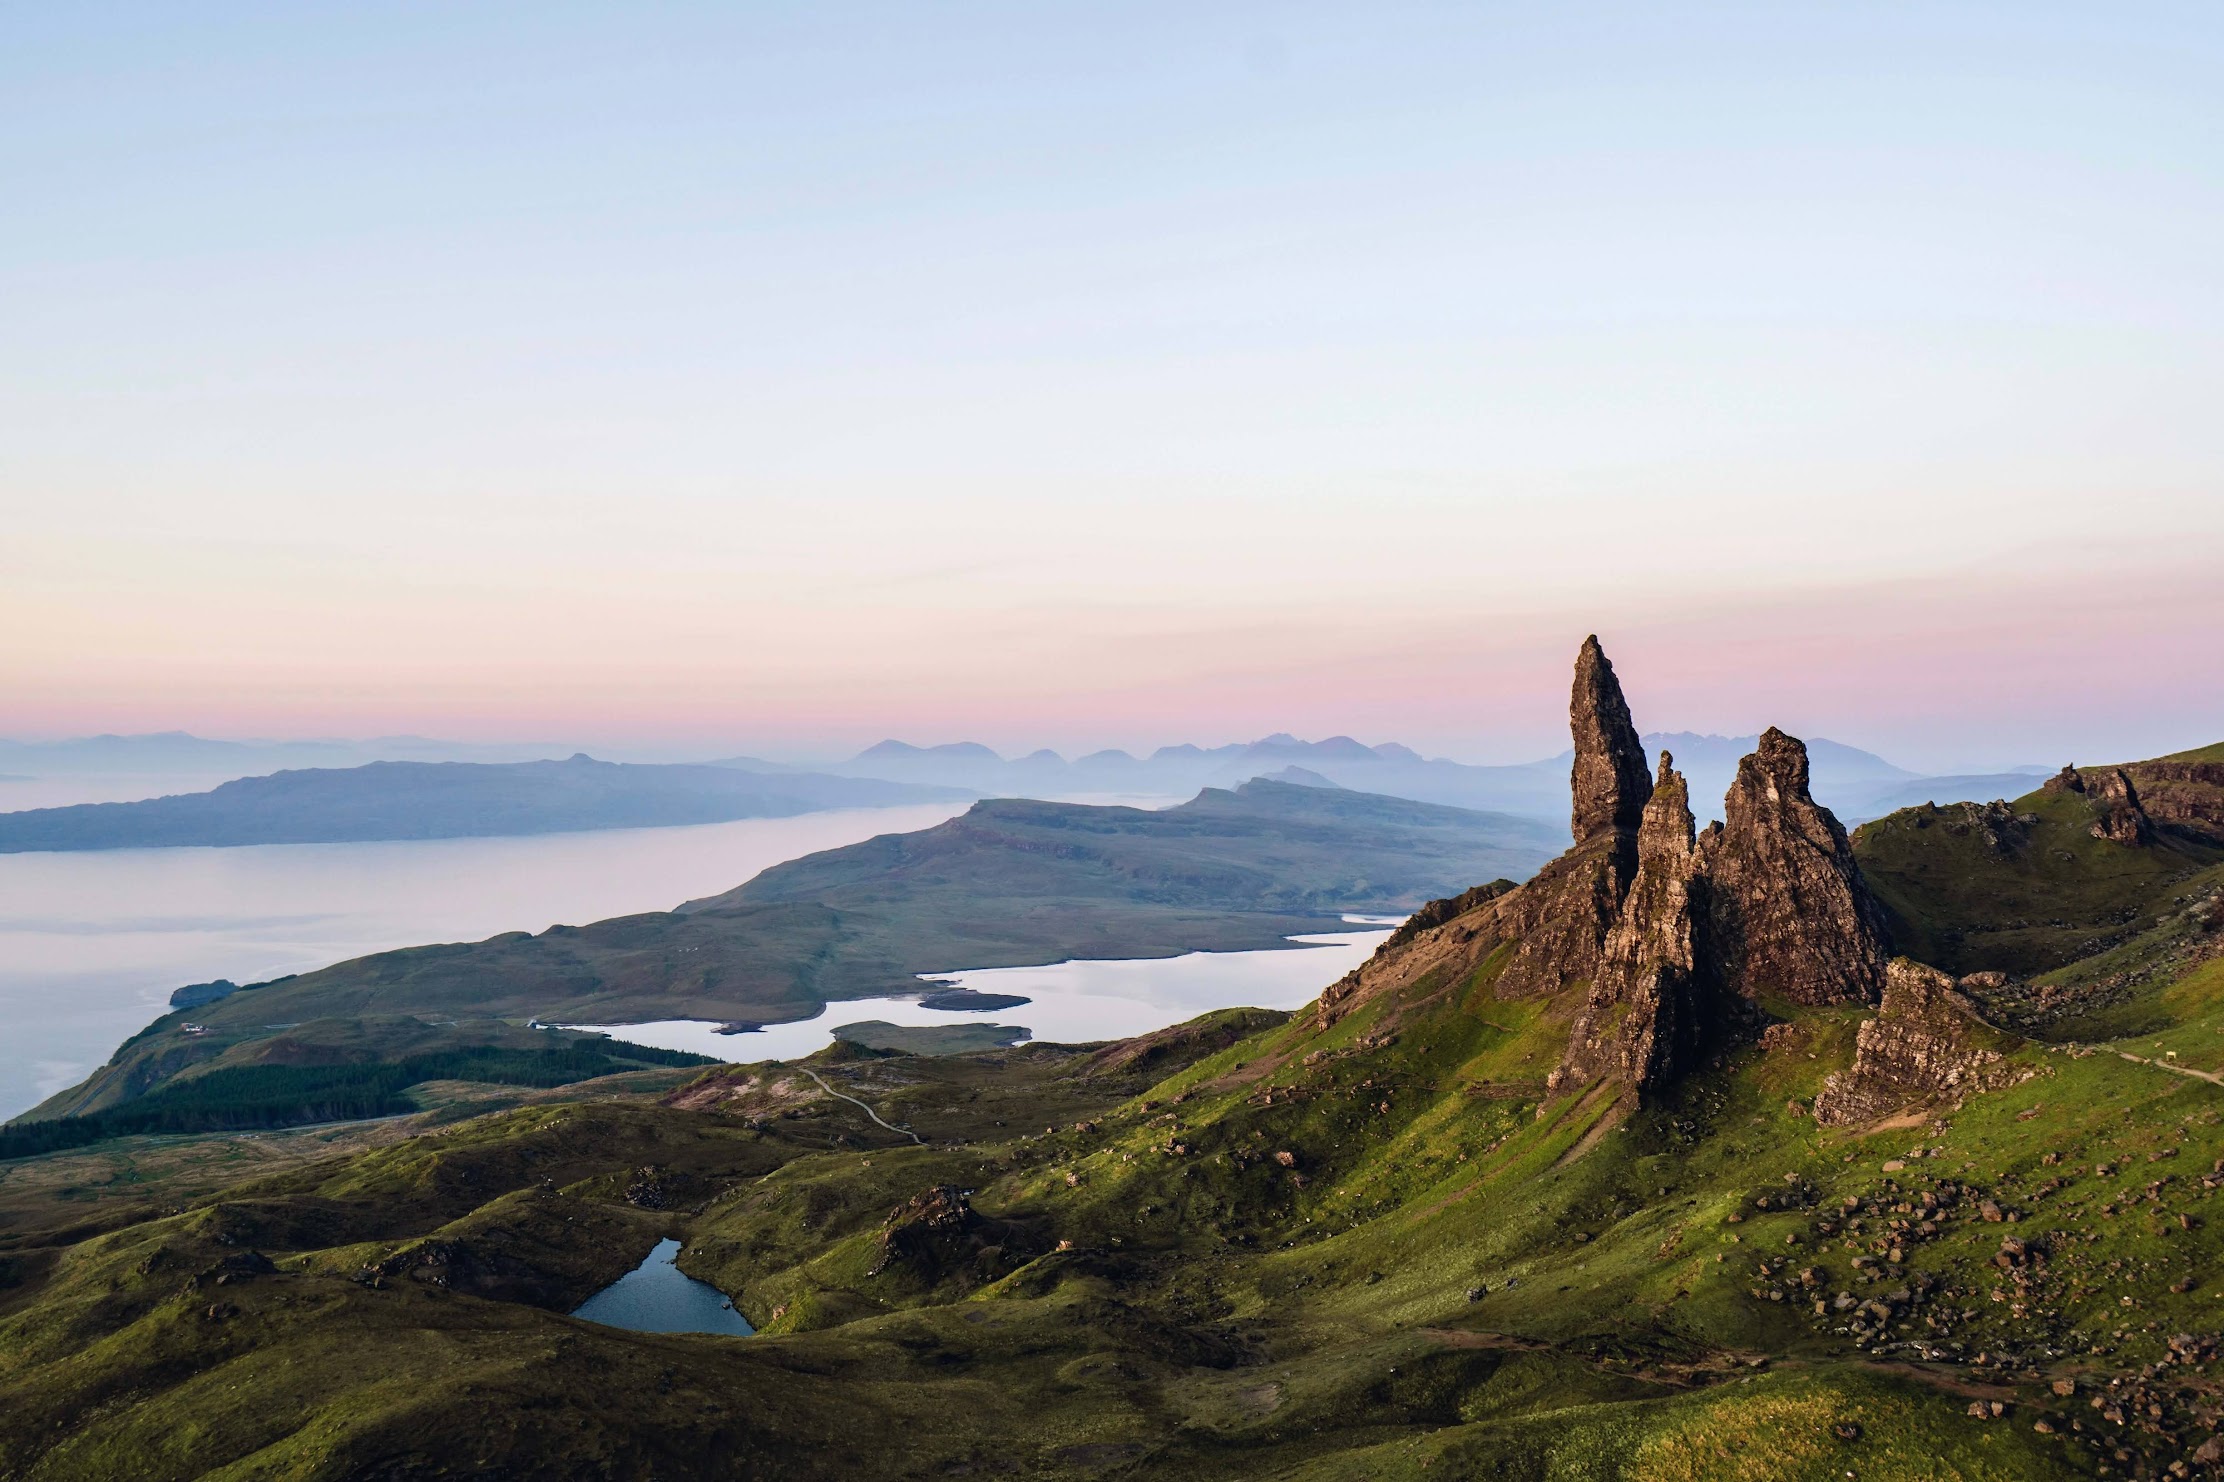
<point x="92" y="943"/>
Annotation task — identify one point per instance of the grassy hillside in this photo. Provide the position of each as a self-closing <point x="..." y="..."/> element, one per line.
<point x="1254" y="1249"/>
<point x="2022" y="888"/>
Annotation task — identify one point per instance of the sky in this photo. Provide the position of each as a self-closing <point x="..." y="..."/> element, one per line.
<point x="781" y="377"/>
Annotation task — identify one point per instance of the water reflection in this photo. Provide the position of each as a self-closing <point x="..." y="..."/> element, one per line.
<point x="1073" y="1002"/>
<point x="658" y="1297"/>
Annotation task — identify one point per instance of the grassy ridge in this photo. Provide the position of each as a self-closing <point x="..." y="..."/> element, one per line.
<point x="232" y="1098"/>
<point x="2023" y="889"/>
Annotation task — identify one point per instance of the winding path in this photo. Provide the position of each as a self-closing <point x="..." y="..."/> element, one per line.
<point x="853" y="1101"/>
<point x="2200" y="1075"/>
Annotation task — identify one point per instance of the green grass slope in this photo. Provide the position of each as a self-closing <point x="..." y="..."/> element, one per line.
<point x="1253" y="1249"/>
<point x="2022" y="888"/>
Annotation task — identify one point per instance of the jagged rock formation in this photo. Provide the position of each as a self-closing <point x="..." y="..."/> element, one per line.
<point x="2185" y="797"/>
<point x="1609" y="778"/>
<point x="1560" y="920"/>
<point x="1788" y="913"/>
<point x="937" y="1235"/>
<point x="2120" y="819"/>
<point x="1671" y="934"/>
<point x="1556" y="923"/>
<point x="1642" y="1024"/>
<point x="2118" y="816"/>
<point x="1925" y="1043"/>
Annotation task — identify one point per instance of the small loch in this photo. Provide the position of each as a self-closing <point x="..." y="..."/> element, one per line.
<point x="658" y="1297"/>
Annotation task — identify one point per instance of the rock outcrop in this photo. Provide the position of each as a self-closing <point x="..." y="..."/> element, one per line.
<point x="1559" y="921"/>
<point x="1642" y="1022"/>
<point x="1671" y="936"/>
<point x="2118" y="815"/>
<point x="1609" y="779"/>
<point x="2184" y="797"/>
<point x="1555" y="924"/>
<point x="1926" y="1043"/>
<point x="1788" y="914"/>
<point x="937" y="1236"/>
<point x="2118" y="818"/>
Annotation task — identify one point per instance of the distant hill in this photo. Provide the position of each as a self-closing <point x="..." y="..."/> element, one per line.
<point x="182" y="753"/>
<point x="447" y="800"/>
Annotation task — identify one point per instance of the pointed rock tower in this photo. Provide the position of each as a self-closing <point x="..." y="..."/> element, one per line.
<point x="1787" y="911"/>
<point x="1643" y="1023"/>
<point x="1609" y="779"/>
<point x="1564" y="913"/>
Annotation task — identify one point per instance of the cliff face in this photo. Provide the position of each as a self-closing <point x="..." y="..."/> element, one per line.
<point x="1643" y="1021"/>
<point x="2118" y="815"/>
<point x="2119" y="818"/>
<point x="2183" y="795"/>
<point x="1788" y="912"/>
<point x="1925" y="1043"/>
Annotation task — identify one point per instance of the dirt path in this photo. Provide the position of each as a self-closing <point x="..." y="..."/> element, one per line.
<point x="853" y="1101"/>
<point x="2210" y="1076"/>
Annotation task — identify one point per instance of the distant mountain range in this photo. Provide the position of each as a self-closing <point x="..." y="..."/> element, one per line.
<point x="1855" y="784"/>
<point x="449" y="800"/>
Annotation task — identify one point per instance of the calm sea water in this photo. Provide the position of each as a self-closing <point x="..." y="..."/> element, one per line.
<point x="1074" y="1002"/>
<point x="91" y="944"/>
<point x="658" y="1297"/>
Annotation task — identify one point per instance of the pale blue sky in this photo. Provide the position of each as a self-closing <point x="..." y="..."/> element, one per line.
<point x="1055" y="374"/>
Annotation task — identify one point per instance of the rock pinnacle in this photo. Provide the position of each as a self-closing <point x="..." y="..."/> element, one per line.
<point x="1610" y="780"/>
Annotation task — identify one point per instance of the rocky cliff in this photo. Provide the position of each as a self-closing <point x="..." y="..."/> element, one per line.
<point x="2118" y="816"/>
<point x="1556" y="924"/>
<point x="1643" y="1021"/>
<point x="1925" y="1044"/>
<point x="1609" y="779"/>
<point x="2184" y="795"/>
<point x="1788" y="913"/>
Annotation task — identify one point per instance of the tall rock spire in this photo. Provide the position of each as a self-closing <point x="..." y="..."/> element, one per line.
<point x="1562" y="917"/>
<point x="1788" y="911"/>
<point x="1642" y="1022"/>
<point x="1609" y="779"/>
